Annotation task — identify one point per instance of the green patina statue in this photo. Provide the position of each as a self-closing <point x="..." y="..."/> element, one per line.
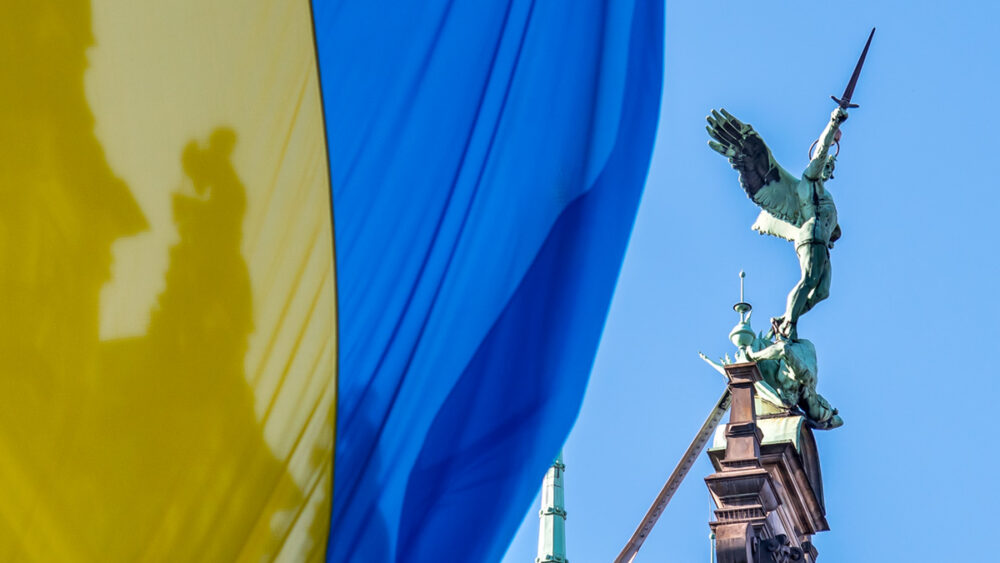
<point x="788" y="370"/>
<point x="800" y="210"/>
<point x="789" y="366"/>
<point x="797" y="209"/>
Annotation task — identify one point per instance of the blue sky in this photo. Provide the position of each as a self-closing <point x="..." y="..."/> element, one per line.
<point x="907" y="338"/>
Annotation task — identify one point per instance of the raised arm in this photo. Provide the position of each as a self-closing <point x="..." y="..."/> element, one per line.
<point x="826" y="140"/>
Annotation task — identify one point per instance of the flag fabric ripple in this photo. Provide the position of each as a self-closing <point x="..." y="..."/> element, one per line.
<point x="179" y="339"/>
<point x="486" y="161"/>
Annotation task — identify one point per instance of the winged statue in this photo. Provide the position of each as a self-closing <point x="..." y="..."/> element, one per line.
<point x="800" y="210"/>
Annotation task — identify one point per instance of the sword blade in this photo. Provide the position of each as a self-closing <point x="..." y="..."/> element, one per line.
<point x="845" y="100"/>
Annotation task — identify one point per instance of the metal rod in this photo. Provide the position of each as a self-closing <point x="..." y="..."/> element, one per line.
<point x="631" y="548"/>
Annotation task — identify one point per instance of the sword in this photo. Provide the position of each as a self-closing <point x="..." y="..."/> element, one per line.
<point x="845" y="101"/>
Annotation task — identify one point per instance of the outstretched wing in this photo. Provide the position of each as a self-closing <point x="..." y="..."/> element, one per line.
<point x="769" y="185"/>
<point x="767" y="224"/>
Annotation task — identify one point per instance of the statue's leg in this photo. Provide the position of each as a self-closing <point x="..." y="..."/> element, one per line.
<point x="811" y="257"/>
<point x="816" y="406"/>
<point x="821" y="411"/>
<point x="822" y="289"/>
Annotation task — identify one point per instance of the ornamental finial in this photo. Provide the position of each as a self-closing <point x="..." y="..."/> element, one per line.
<point x="742" y="335"/>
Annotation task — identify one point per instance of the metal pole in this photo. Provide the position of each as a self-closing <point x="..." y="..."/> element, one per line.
<point x="630" y="550"/>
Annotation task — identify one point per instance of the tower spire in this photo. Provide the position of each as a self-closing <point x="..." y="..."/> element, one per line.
<point x="552" y="516"/>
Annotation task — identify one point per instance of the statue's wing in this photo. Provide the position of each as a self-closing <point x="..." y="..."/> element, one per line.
<point x="767" y="224"/>
<point x="768" y="184"/>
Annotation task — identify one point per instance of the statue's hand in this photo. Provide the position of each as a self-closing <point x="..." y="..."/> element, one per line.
<point x="727" y="152"/>
<point x="838" y="115"/>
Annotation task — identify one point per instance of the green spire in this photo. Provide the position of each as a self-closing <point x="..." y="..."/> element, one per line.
<point x="552" y="517"/>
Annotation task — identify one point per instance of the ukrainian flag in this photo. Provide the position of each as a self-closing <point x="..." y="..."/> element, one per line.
<point x="169" y="329"/>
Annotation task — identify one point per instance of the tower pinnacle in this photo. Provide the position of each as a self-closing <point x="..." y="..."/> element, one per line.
<point x="742" y="335"/>
<point x="552" y="516"/>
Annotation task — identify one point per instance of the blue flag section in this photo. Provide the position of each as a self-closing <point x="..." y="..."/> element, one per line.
<point x="486" y="161"/>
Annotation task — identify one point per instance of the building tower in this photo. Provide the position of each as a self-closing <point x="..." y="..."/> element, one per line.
<point x="767" y="486"/>
<point x="552" y="516"/>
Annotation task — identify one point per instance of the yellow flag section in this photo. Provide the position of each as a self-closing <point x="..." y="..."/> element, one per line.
<point x="167" y="327"/>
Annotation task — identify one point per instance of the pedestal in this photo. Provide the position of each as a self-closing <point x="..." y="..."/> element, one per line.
<point x="768" y="492"/>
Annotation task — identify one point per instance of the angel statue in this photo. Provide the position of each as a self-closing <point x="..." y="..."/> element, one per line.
<point x="799" y="210"/>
